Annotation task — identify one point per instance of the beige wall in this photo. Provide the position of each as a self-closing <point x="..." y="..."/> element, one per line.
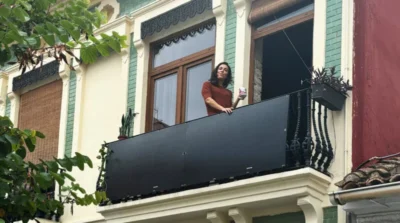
<point x="103" y="103"/>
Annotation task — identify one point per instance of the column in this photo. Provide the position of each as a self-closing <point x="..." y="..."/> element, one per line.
<point x="80" y="81"/>
<point x="64" y="112"/>
<point x="141" y="84"/>
<point x="14" y="111"/>
<point x="243" y="43"/>
<point x="219" y="10"/>
<point x="217" y="217"/>
<point x="319" y="36"/>
<point x="240" y="216"/>
<point x="3" y="93"/>
<point x="312" y="209"/>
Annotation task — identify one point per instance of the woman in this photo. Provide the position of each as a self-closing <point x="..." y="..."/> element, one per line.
<point x="217" y="98"/>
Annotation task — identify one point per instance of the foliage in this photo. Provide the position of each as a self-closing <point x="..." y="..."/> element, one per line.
<point x="329" y="77"/>
<point x="27" y="188"/>
<point x="35" y="29"/>
<point x="126" y="124"/>
<point x="101" y="183"/>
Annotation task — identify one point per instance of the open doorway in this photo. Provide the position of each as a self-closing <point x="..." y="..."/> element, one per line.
<point x="282" y="60"/>
<point x="287" y="60"/>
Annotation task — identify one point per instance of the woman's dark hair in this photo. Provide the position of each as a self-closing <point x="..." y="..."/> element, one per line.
<point x="214" y="77"/>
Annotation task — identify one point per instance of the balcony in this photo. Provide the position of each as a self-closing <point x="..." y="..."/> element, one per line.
<point x="279" y="135"/>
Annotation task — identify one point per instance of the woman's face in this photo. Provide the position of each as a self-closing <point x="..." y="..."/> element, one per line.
<point x="222" y="72"/>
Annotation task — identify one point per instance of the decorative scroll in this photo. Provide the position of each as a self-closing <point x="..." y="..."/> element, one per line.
<point x="191" y="33"/>
<point x="38" y="74"/>
<point x="174" y="16"/>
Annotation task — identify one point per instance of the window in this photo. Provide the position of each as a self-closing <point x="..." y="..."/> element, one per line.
<point x="178" y="68"/>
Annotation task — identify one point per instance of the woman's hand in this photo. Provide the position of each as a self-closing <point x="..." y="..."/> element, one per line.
<point x="227" y="110"/>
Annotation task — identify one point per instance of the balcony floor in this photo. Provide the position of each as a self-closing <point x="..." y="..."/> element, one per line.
<point x="302" y="187"/>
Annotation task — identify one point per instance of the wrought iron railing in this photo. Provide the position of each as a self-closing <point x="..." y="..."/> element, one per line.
<point x="310" y="144"/>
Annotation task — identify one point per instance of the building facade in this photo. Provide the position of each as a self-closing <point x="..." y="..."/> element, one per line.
<point x="173" y="46"/>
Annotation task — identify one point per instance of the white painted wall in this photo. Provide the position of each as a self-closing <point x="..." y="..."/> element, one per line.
<point x="103" y="103"/>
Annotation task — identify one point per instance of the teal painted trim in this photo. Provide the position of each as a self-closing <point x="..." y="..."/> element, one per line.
<point x="128" y="6"/>
<point x="132" y="78"/>
<point x="296" y="217"/>
<point x="333" y="34"/>
<point x="8" y="107"/>
<point x="331" y="214"/>
<point x="230" y="38"/>
<point x="70" y="114"/>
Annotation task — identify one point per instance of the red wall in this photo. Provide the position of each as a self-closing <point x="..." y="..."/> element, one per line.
<point x="376" y="102"/>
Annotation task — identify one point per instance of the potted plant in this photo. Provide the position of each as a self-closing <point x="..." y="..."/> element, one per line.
<point x="329" y="89"/>
<point x="126" y="125"/>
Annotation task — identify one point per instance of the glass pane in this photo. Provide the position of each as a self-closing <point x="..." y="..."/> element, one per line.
<point x="184" y="47"/>
<point x="196" y="76"/>
<point x="164" y="102"/>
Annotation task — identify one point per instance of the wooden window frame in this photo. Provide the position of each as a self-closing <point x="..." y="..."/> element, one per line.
<point x="179" y="67"/>
<point x="258" y="34"/>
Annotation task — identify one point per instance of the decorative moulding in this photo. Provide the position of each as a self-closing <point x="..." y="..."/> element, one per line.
<point x="174" y="16"/>
<point x="233" y="196"/>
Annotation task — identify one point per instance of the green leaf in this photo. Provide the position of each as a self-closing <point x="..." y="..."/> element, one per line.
<point x="31" y="41"/>
<point x="21" y="14"/>
<point x="114" y="45"/>
<point x="80" y="22"/>
<point x="40" y="197"/>
<point x="103" y="49"/>
<point x="31" y="145"/>
<point x="64" y="38"/>
<point x="58" y="178"/>
<point x="99" y="196"/>
<point x="52" y="165"/>
<point x="89" y="54"/>
<point x="83" y="191"/>
<point x="80" y="161"/>
<point x="21" y="152"/>
<point x="26" y="5"/>
<point x="14" y="36"/>
<point x="67" y="25"/>
<point x="88" y="161"/>
<point x="2" y="221"/>
<point x="68" y="176"/>
<point x="52" y="28"/>
<point x="75" y="33"/>
<point x="40" y="135"/>
<point x="12" y="139"/>
<point x="8" y="2"/>
<point x="5" y="122"/>
<point x="39" y="29"/>
<point x="5" y="11"/>
<point x="42" y="4"/>
<point x="50" y="39"/>
<point x="94" y="39"/>
<point x="44" y="180"/>
<point x="66" y="163"/>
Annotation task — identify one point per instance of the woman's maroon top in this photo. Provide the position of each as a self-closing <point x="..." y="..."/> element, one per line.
<point x="220" y="95"/>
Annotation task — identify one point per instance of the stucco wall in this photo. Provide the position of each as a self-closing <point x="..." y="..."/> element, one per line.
<point x="376" y="106"/>
<point x="103" y="103"/>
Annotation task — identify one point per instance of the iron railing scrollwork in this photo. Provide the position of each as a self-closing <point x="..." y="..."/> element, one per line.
<point x="305" y="149"/>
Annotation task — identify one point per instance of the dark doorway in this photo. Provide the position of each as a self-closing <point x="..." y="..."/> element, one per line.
<point x="282" y="68"/>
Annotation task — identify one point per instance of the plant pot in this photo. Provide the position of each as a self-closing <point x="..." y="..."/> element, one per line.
<point x="122" y="137"/>
<point x="328" y="96"/>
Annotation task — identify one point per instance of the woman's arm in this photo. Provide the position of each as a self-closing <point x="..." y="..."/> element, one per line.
<point x="236" y="103"/>
<point x="207" y="95"/>
<point x="217" y="106"/>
